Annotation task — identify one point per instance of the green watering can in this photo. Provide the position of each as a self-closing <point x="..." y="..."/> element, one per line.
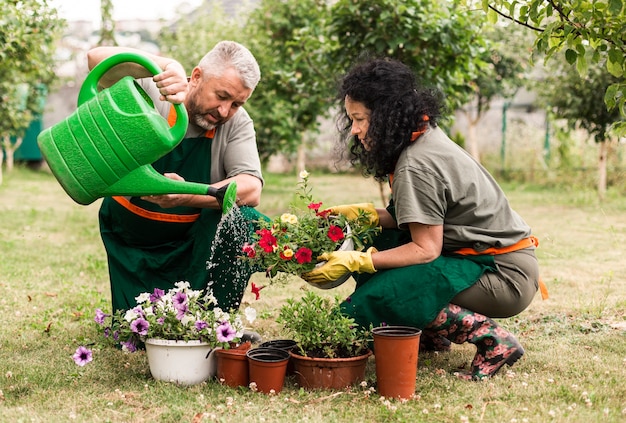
<point x="107" y="145"/>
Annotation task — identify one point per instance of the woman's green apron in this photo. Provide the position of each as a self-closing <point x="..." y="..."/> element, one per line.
<point x="150" y="247"/>
<point x="411" y="295"/>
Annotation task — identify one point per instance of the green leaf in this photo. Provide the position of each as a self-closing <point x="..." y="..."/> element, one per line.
<point x="615" y="63"/>
<point x="615" y="7"/>
<point x="610" y="96"/>
<point x="570" y="56"/>
<point x="492" y="16"/>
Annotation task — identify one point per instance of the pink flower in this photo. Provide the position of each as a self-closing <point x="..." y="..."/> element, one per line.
<point x="248" y="249"/>
<point x="82" y="356"/>
<point x="315" y="206"/>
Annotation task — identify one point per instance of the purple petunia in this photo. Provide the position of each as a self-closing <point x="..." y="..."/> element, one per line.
<point x="179" y="299"/>
<point x="225" y="332"/>
<point x="156" y="295"/>
<point x="82" y="356"/>
<point x="100" y="316"/>
<point x="140" y="326"/>
<point x="128" y="346"/>
<point x="200" y="325"/>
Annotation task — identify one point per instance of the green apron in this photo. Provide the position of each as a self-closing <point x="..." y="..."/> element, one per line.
<point x="144" y="253"/>
<point x="411" y="295"/>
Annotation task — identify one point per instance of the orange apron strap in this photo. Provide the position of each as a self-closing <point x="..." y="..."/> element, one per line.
<point x="162" y="217"/>
<point x="171" y="120"/>
<point x="524" y="243"/>
<point x="543" y="289"/>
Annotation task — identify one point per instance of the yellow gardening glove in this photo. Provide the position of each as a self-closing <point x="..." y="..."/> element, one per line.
<point x="339" y="263"/>
<point x="351" y="211"/>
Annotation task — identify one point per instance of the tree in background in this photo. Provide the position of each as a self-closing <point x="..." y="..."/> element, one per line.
<point x="505" y="73"/>
<point x="588" y="31"/>
<point x="441" y="41"/>
<point x="290" y="41"/>
<point x="29" y="30"/>
<point x="107" y="28"/>
<point x="192" y="36"/>
<point x="579" y="100"/>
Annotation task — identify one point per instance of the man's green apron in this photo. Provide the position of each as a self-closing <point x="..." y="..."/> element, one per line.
<point x="150" y="247"/>
<point x="411" y="295"/>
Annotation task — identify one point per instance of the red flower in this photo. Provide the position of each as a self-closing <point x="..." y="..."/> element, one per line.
<point x="324" y="213"/>
<point x="315" y="206"/>
<point x="256" y="290"/>
<point x="304" y="255"/>
<point x="335" y="233"/>
<point x="249" y="250"/>
<point x="267" y="240"/>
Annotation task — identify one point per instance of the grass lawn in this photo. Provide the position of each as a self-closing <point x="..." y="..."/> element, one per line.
<point x="53" y="276"/>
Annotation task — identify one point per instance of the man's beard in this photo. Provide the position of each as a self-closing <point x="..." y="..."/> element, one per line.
<point x="198" y="118"/>
<point x="202" y="122"/>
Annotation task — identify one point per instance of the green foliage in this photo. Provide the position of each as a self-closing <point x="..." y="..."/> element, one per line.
<point x="321" y="329"/>
<point x="193" y="36"/>
<point x="28" y="33"/>
<point x="579" y="98"/>
<point x="586" y="31"/>
<point x="290" y="41"/>
<point x="441" y="41"/>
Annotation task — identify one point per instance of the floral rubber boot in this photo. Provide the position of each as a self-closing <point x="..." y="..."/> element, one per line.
<point x="431" y="341"/>
<point x="495" y="346"/>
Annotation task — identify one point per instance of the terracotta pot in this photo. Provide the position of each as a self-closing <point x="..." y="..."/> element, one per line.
<point x="329" y="373"/>
<point x="396" y="351"/>
<point x="267" y="368"/>
<point x="232" y="366"/>
<point x="182" y="362"/>
<point x="283" y="344"/>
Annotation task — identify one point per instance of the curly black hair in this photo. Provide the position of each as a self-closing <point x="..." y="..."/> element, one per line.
<point x="389" y="89"/>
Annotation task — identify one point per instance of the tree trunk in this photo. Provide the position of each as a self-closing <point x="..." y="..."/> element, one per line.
<point x="472" y="142"/>
<point x="602" y="161"/>
<point x="9" y="150"/>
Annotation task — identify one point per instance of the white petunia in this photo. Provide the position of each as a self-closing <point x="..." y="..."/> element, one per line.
<point x="250" y="314"/>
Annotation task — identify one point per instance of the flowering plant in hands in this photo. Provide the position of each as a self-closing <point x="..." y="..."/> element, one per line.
<point x="291" y="243"/>
<point x="180" y="314"/>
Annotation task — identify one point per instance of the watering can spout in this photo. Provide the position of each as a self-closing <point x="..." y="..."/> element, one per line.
<point x="226" y="196"/>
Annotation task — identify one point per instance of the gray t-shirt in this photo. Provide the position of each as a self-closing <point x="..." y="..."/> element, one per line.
<point x="233" y="151"/>
<point x="436" y="182"/>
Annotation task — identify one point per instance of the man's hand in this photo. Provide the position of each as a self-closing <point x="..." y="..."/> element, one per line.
<point x="172" y="83"/>
<point x="167" y="201"/>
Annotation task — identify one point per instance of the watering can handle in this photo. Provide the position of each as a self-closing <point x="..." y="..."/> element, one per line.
<point x="89" y="89"/>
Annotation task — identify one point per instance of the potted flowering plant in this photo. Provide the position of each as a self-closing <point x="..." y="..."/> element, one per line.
<point x="180" y="319"/>
<point x="291" y="243"/>
<point x="332" y="350"/>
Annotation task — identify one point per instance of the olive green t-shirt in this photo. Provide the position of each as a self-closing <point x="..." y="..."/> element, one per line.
<point x="436" y="182"/>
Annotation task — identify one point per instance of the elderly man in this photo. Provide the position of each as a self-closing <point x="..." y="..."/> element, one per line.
<point x="155" y="241"/>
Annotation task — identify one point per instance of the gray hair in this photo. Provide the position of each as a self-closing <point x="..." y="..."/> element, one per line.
<point x="229" y="54"/>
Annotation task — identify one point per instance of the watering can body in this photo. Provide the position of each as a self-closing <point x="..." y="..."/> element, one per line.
<point x="107" y="145"/>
